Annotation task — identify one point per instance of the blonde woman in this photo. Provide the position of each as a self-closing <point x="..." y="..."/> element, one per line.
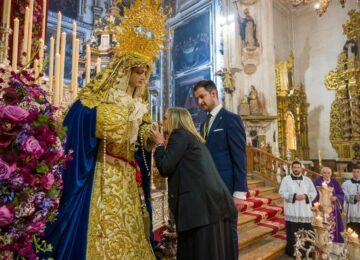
<point x="201" y="204"/>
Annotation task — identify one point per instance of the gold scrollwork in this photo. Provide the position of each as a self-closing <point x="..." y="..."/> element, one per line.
<point x="345" y="80"/>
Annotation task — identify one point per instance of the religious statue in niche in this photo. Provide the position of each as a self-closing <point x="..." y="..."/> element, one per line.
<point x="253" y="101"/>
<point x="248" y="31"/>
<point x="249" y="42"/>
<point x="227" y="79"/>
<point x="351" y="50"/>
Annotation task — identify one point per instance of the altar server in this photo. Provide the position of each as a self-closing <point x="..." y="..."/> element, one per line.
<point x="298" y="192"/>
<point x="351" y="189"/>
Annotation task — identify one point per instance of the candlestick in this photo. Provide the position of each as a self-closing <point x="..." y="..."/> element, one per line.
<point x="98" y="65"/>
<point x="76" y="69"/>
<point x="26" y="34"/>
<point x="56" y="99"/>
<point x="316" y="206"/>
<point x="88" y="63"/>
<point x="319" y="221"/>
<point x="324" y="185"/>
<point x="62" y="65"/>
<point x="51" y="65"/>
<point x="15" y="44"/>
<point x="31" y="4"/>
<point x="58" y="32"/>
<point x="43" y="25"/>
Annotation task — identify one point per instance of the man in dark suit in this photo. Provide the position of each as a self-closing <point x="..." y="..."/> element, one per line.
<point x="226" y="140"/>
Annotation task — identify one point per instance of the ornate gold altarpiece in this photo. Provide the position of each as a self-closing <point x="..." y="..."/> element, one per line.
<point x="292" y="110"/>
<point x="345" y="80"/>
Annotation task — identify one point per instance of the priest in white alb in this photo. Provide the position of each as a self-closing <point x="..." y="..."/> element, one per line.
<point x="298" y="192"/>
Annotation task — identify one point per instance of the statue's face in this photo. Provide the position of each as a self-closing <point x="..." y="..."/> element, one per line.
<point x="138" y="77"/>
<point x="206" y="100"/>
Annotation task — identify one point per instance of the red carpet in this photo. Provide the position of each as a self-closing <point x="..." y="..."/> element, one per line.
<point x="267" y="215"/>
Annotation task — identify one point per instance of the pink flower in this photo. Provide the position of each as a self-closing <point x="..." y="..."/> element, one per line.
<point x="33" y="147"/>
<point x="47" y="181"/>
<point x="6" y="170"/>
<point x="13" y="113"/>
<point x="6" y="215"/>
<point x="36" y="227"/>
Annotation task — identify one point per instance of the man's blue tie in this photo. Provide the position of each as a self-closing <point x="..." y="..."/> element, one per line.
<point x="206" y="125"/>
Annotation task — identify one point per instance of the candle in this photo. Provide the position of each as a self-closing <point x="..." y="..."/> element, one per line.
<point x="318" y="221"/>
<point x="8" y="11"/>
<point x="26" y="33"/>
<point x="5" y="14"/>
<point x="354" y="237"/>
<point x="56" y="99"/>
<point x="41" y="53"/>
<point x="43" y="26"/>
<point x="58" y="29"/>
<point x="62" y="64"/>
<point x="51" y="65"/>
<point x="29" y="42"/>
<point x="324" y="185"/>
<point x="98" y="65"/>
<point x="319" y="155"/>
<point x="73" y="75"/>
<point x="15" y="44"/>
<point x="88" y="63"/>
<point x="76" y="68"/>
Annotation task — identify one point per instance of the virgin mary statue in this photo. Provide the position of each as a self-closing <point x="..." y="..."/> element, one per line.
<point x="101" y="213"/>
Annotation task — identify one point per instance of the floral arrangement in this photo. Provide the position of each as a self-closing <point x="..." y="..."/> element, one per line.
<point x="31" y="157"/>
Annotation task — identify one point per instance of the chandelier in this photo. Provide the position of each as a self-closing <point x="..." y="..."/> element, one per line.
<point x="321" y="5"/>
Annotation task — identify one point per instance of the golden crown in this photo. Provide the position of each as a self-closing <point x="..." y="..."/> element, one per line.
<point x="142" y="30"/>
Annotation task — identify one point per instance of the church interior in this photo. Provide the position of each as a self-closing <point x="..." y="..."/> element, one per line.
<point x="289" y="68"/>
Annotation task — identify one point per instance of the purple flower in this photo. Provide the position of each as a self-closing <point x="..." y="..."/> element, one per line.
<point x="6" y="198"/>
<point x="6" y="215"/>
<point x="38" y="197"/>
<point x="46" y="204"/>
<point x="6" y="170"/>
<point x="13" y="113"/>
<point x="17" y="181"/>
<point x="33" y="147"/>
<point x="37" y="227"/>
